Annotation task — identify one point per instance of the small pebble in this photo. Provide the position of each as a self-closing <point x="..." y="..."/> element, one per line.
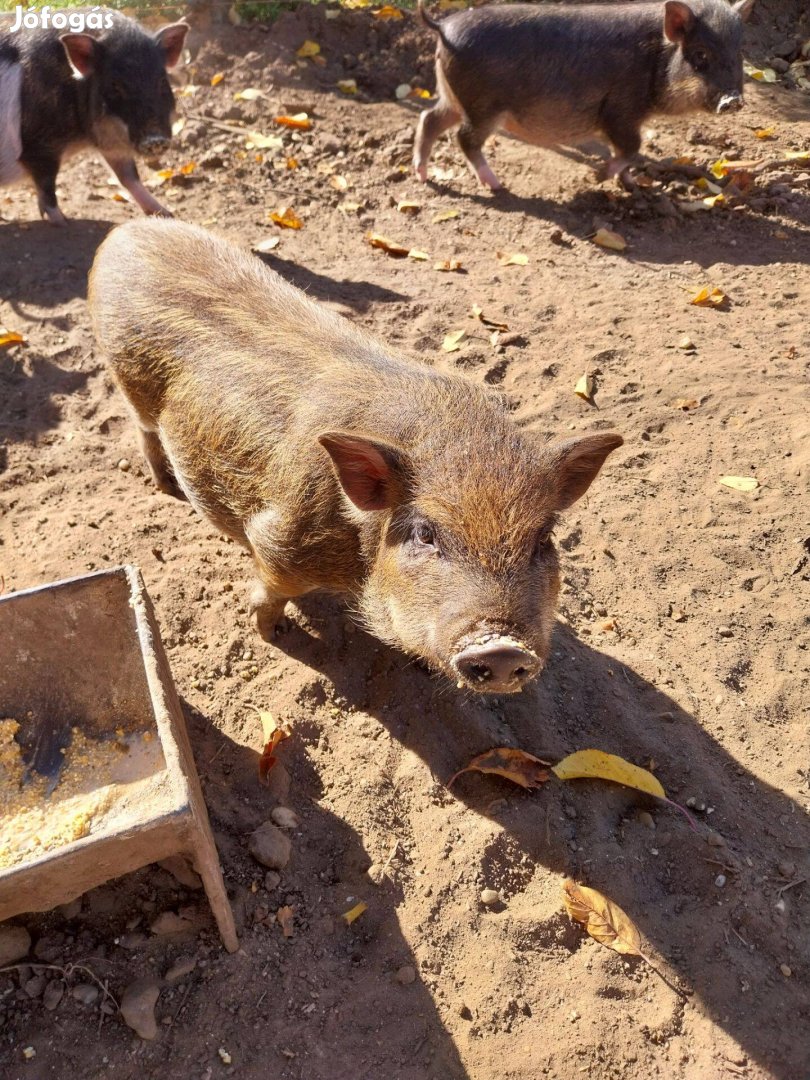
<point x="490" y="897"/>
<point x="715" y="840"/>
<point x="725" y="631"/>
<point x="15" y="941"/>
<point x="124" y="464"/>
<point x="180" y="968"/>
<point x="646" y="819"/>
<point x="54" y="992"/>
<point x="34" y="986"/>
<point x="269" y="846"/>
<point x="272" y="880"/>
<point x="720" y="880"/>
<point x="138" y="1007"/>
<point x="284" y="817"/>
<point x="406" y="975"/>
<point x="787" y="868"/>
<point x="225" y="1057"/>
<point x="29" y="1052"/>
<point x="85" y="993"/>
<point x="786" y="971"/>
<point x="686" y="343"/>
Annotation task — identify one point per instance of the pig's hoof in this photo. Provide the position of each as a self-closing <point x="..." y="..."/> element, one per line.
<point x="270" y="622"/>
<point x="161" y="212"/>
<point x="420" y="171"/>
<point x="54" y="215"/>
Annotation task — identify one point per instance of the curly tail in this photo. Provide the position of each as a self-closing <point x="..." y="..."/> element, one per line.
<point x="426" y="20"/>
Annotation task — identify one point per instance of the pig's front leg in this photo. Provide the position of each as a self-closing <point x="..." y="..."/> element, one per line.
<point x="267" y="610"/>
<point x="471" y="139"/>
<point x="43" y="170"/>
<point x="126" y="172"/>
<point x="623" y="128"/>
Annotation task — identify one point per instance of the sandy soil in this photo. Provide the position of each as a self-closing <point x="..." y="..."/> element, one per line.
<point x="682" y="637"/>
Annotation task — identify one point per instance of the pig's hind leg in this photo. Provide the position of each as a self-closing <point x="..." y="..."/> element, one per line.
<point x="159" y="464"/>
<point x="432" y="123"/>
<point x="43" y="169"/>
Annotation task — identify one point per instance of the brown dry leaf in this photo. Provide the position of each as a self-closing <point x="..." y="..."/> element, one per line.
<point x="309" y="48"/>
<point x="354" y="913"/>
<point x="445" y="215"/>
<point x="606" y="238"/>
<point x="388" y="12"/>
<point x="740" y="483"/>
<point x="585" y="388"/>
<point x="602" y="919"/>
<point x="516" y="259"/>
<point x="390" y="247"/>
<point x="301" y="121"/>
<point x="597" y="765"/>
<point x="286" y="218"/>
<point x="511" y="763"/>
<point x="452" y="342"/>
<point x="217" y="79"/>
<point x="285" y="920"/>
<point x="447" y="265"/>
<point x="490" y="324"/>
<point x="9" y="338"/>
<point x="709" y="297"/>
<point x="273" y="733"/>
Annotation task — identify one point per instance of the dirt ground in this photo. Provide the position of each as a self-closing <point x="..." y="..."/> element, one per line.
<point x="682" y="637"/>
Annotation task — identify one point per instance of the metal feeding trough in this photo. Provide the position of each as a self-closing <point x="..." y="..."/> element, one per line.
<point x="97" y="777"/>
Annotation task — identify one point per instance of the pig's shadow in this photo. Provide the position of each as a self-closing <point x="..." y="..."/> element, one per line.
<point x="30" y="387"/>
<point x="586" y="698"/>
<point x="328" y="864"/>
<point x="47" y="265"/>
<point x="360" y="295"/>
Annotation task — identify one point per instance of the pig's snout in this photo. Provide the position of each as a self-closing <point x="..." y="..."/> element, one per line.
<point x="151" y="145"/>
<point x="730" y="103"/>
<point x="496" y="666"/>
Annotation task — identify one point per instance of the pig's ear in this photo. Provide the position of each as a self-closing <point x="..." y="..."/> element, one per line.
<point x="372" y="473"/>
<point x="678" y="20"/>
<point x="81" y="53"/>
<point x="171" y="39"/>
<point x="575" y="463"/>
<point x="744" y="8"/>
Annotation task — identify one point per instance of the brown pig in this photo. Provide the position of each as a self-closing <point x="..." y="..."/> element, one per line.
<point x="340" y="464"/>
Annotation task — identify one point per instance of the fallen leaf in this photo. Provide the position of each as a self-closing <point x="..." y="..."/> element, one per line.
<point x="178" y="125"/>
<point x="9" y="338"/>
<point x="189" y="90"/>
<point x="405" y="206"/>
<point x="452" y="5"/>
<point x="606" y="238"/>
<point x="765" y="133"/>
<point x="388" y="12"/>
<point x="740" y="483"/>
<point x="597" y="765"/>
<point x="351" y="207"/>
<point x="585" y="388"/>
<point x="354" y="913"/>
<point x="418" y="92"/>
<point x="273" y="733"/>
<point x="767" y="74"/>
<point x="445" y="215"/>
<point x="714" y="200"/>
<point x="516" y="259"/>
<point x="347" y="86"/>
<point x="338" y="182"/>
<point x="797" y="155"/>
<point x="268" y="244"/>
<point x="286" y="217"/>
<point x="309" y="48"/>
<point x="217" y="79"/>
<point x="602" y="919"/>
<point x="188" y="168"/>
<point x="419" y="256"/>
<point x="300" y="121"/>
<point x="284" y="915"/>
<point x="452" y="342"/>
<point x="709" y="297"/>
<point x="490" y="324"/>
<point x="687" y="404"/>
<point x="291" y="163"/>
<point x="447" y="265"/>
<point x="254" y="140"/>
<point x="249" y="94"/>
<point x="402" y="91"/>
<point x="513" y="764"/>
<point x="390" y="247"/>
<point x="352" y="4"/>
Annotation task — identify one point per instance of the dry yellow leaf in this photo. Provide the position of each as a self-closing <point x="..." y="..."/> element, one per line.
<point x="309" y="48"/>
<point x="301" y="121"/>
<point x="347" y="86"/>
<point x="445" y="215"/>
<point x="765" y="133"/>
<point x="250" y="93"/>
<point x="797" y="155"/>
<point x="740" y="483"/>
<point x="272" y="734"/>
<point x="714" y="200"/>
<point x="585" y="388"/>
<point x="606" y="238"/>
<point x="390" y="247"/>
<point x="352" y="4"/>
<point x="354" y="913"/>
<point x="687" y="404"/>
<point x="351" y="207"/>
<point x="254" y="140"/>
<point x="447" y="265"/>
<point x="709" y="297"/>
<point x="387" y="12"/>
<point x="452" y="342"/>
<point x="767" y="74"/>
<point x="419" y="256"/>
<point x="8" y="338"/>
<point x="418" y="92"/>
<point x="217" y="79"/>
<point x="597" y="765"/>
<point x="602" y="919"/>
<point x="490" y="324"/>
<point x="291" y="163"/>
<point x="286" y="217"/>
<point x="405" y="206"/>
<point x="516" y="259"/>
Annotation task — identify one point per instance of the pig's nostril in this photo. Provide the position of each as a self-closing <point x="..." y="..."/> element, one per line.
<point x="496" y="666"/>
<point x="480" y="672"/>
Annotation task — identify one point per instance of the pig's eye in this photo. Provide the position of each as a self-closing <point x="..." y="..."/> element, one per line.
<point x="423" y="537"/>
<point x="699" y="59"/>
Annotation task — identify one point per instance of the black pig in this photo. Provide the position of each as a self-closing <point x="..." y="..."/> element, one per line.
<point x="60" y="91"/>
<point x="557" y="75"/>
